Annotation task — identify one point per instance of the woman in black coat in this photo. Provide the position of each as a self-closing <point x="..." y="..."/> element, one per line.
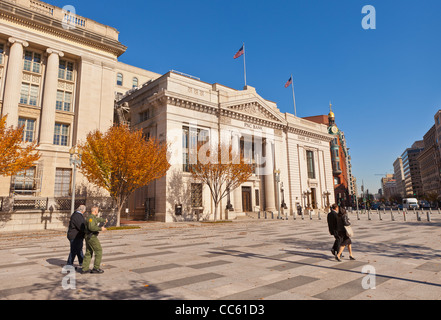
<point x="342" y="221"/>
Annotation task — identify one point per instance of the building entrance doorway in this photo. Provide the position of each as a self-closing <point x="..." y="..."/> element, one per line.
<point x="246" y="199"/>
<point x="313" y="198"/>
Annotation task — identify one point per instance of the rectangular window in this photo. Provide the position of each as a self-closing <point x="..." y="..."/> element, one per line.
<point x="24" y="180"/>
<point x="29" y="94"/>
<point x="29" y="128"/>
<point x="196" y="195"/>
<point x="310" y="164"/>
<point x="143" y="116"/>
<point x="64" y="101"/>
<point x="191" y="139"/>
<point x="62" y="182"/>
<point x="32" y="61"/>
<point x="61" y="134"/>
<point x="65" y="70"/>
<point x="2" y="53"/>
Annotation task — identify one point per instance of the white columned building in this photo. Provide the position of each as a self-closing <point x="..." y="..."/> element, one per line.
<point x="181" y="110"/>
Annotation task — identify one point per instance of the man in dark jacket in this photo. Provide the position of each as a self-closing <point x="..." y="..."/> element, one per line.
<point x="75" y="234"/>
<point x="333" y="228"/>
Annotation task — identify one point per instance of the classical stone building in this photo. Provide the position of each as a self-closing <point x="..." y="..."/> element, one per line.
<point x="60" y="78"/>
<point x="181" y="110"/>
<point x="59" y="75"/>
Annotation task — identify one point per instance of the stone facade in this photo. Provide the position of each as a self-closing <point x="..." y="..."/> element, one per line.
<point x="60" y="78"/>
<point x="175" y="106"/>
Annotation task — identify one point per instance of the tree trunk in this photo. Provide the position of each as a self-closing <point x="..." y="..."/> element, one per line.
<point x="215" y="211"/>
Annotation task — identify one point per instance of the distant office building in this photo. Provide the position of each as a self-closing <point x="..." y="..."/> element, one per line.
<point x="429" y="161"/>
<point x="411" y="168"/>
<point x="399" y="176"/>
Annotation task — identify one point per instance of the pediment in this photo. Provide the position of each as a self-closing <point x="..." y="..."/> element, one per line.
<point x="255" y="109"/>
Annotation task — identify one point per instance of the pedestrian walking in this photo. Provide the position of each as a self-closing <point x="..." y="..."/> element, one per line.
<point x="75" y="235"/>
<point x="342" y="222"/>
<point x="332" y="226"/>
<point x="93" y="245"/>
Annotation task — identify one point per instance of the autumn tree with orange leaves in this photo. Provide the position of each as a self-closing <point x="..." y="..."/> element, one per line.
<point x="221" y="169"/>
<point x="15" y="155"/>
<point x="121" y="160"/>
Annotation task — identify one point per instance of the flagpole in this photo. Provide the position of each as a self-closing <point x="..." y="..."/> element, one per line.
<point x="244" y="65"/>
<point x="293" y="96"/>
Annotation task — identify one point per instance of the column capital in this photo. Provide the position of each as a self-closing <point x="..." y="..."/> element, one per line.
<point x="13" y="40"/>
<point x="54" y="51"/>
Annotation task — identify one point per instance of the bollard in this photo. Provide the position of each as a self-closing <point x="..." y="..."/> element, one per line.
<point x="265" y="215"/>
<point x="272" y="215"/>
<point x="418" y="216"/>
<point x="319" y="217"/>
<point x="369" y="214"/>
<point x="358" y="215"/>
<point x="303" y="217"/>
<point x="439" y="211"/>
<point x="392" y="215"/>
<point x="404" y="214"/>
<point x="428" y="216"/>
<point x="379" y="214"/>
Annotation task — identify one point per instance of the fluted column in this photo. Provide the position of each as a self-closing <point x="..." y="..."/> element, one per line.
<point x="270" y="198"/>
<point x="50" y="96"/>
<point x="13" y="80"/>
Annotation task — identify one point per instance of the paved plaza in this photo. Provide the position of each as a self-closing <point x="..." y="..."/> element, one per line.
<point x="240" y="260"/>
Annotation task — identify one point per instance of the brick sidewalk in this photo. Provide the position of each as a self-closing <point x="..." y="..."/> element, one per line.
<point x="241" y="260"/>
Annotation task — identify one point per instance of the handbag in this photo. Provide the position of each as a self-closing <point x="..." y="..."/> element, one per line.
<point x="349" y="231"/>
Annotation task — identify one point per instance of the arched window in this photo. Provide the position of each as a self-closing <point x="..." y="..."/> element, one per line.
<point x="135" y="83"/>
<point x="119" y="79"/>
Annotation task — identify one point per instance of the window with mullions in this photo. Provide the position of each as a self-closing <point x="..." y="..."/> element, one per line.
<point x="24" y="180"/>
<point x="2" y="53"/>
<point x="28" y="128"/>
<point x="191" y="138"/>
<point x="62" y="182"/>
<point x="119" y="79"/>
<point x="61" y="134"/>
<point x="64" y="101"/>
<point x="65" y="70"/>
<point x="196" y="195"/>
<point x="32" y="61"/>
<point x="310" y="164"/>
<point x="29" y="94"/>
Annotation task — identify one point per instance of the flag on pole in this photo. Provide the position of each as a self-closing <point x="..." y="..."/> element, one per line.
<point x="288" y="83"/>
<point x="239" y="53"/>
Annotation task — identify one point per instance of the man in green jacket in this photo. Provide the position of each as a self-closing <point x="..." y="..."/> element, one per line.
<point x="93" y="245"/>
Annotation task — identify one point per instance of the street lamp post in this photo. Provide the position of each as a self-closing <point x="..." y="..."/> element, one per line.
<point x="277" y="172"/>
<point x="75" y="160"/>
<point x="283" y="205"/>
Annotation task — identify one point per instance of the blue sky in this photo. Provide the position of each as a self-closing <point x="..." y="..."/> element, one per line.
<point x="384" y="84"/>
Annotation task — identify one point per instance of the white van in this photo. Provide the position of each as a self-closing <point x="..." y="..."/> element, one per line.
<point x="410" y="203"/>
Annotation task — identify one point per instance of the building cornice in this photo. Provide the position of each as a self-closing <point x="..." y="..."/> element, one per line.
<point x="166" y="97"/>
<point x="43" y="23"/>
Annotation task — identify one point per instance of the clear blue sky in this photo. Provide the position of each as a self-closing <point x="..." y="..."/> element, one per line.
<point x="384" y="84"/>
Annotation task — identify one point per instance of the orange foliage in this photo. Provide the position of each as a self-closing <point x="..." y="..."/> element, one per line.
<point x="121" y="161"/>
<point x="221" y="170"/>
<point x="15" y="155"/>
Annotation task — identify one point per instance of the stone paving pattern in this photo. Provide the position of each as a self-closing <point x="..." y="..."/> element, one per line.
<point x="240" y="260"/>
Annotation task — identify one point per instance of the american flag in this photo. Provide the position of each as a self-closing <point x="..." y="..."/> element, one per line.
<point x="288" y="83"/>
<point x="239" y="53"/>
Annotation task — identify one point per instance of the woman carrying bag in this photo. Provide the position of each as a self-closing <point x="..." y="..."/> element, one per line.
<point x="345" y="232"/>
